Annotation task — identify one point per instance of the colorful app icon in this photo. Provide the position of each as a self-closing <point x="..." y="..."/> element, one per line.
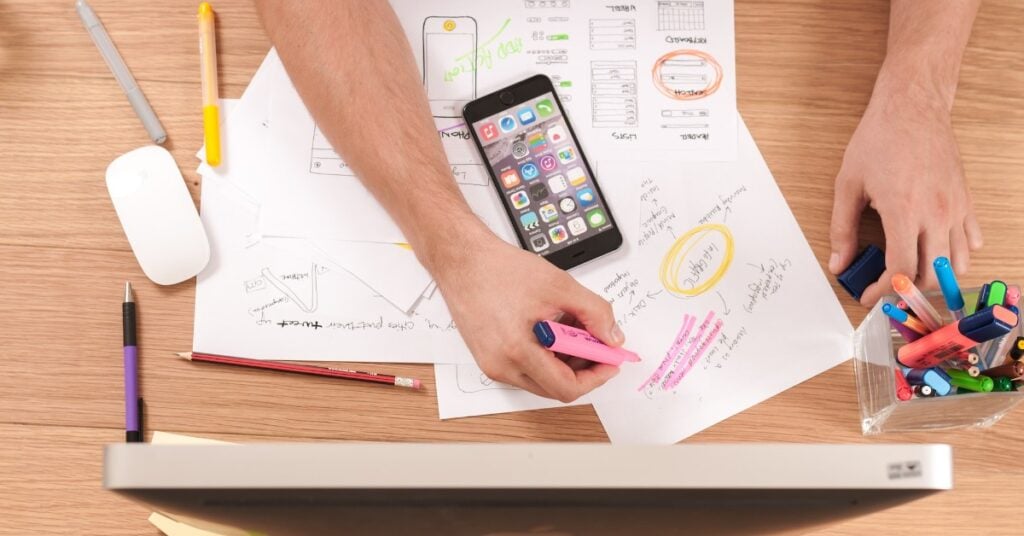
<point x="596" y="218"/>
<point x="548" y="213"/>
<point x="558" y="234"/>
<point x="526" y="116"/>
<point x="567" y="155"/>
<point x="529" y="172"/>
<point x="530" y="221"/>
<point x="537" y="142"/>
<point x="547" y="162"/>
<point x="538" y="191"/>
<point x="556" y="134"/>
<point x="488" y="131"/>
<point x="557" y="184"/>
<point x="539" y="242"/>
<point x="577" y="226"/>
<point x="576" y="176"/>
<point x="545" y="108"/>
<point x="520" y="150"/>
<point x="586" y="197"/>
<point x="567" y="205"/>
<point x="507" y="124"/>
<point x="510" y="179"/>
<point x="520" y="199"/>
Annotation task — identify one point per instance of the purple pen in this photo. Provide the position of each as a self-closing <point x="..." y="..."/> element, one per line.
<point x="132" y="402"/>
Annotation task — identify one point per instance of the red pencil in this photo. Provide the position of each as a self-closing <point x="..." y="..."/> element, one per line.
<point x="397" y="381"/>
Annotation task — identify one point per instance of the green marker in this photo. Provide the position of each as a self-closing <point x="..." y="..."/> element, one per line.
<point x="996" y="293"/>
<point x="565" y="83"/>
<point x="960" y="378"/>
<point x="1002" y="384"/>
<point x="558" y="37"/>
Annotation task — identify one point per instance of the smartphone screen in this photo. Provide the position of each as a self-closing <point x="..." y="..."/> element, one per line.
<point x="544" y="180"/>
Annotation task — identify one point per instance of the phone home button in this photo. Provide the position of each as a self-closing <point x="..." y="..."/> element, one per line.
<point x="507" y="97"/>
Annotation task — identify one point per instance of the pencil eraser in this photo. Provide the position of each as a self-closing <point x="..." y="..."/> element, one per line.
<point x="865" y="270"/>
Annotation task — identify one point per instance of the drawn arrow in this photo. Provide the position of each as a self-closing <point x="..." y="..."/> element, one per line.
<point x="724" y="305"/>
<point x="725" y="216"/>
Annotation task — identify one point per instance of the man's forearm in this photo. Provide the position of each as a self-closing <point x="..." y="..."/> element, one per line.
<point x="926" y="44"/>
<point x="352" y="65"/>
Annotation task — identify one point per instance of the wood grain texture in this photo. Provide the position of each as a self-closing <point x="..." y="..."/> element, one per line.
<point x="806" y="69"/>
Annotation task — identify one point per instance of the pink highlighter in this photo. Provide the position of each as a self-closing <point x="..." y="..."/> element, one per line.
<point x="950" y="341"/>
<point x="576" y="342"/>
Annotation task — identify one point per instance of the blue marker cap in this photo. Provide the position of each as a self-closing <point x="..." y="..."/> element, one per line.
<point x="948" y="284"/>
<point x="865" y="270"/>
<point x="545" y="335"/>
<point x="986" y="324"/>
<point x="895" y="313"/>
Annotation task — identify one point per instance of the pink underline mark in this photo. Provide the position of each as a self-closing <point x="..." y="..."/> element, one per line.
<point x="689" y="351"/>
<point x="673" y="351"/>
<point x="681" y="373"/>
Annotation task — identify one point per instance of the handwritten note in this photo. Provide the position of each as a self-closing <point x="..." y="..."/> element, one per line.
<point x="715" y="299"/>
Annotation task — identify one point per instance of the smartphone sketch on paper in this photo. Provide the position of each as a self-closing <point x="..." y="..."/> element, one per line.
<point x="449" y="63"/>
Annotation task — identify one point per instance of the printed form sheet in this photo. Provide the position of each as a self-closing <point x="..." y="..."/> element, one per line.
<point x="647" y="80"/>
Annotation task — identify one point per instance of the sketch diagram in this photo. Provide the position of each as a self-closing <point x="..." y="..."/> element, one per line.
<point x="470" y="380"/>
<point x="286" y="285"/>
<point x="612" y="34"/>
<point x="535" y="4"/>
<point x="449" y="63"/>
<point x="676" y="15"/>
<point x="687" y="75"/>
<point x="697" y="260"/>
<point x="613" y="87"/>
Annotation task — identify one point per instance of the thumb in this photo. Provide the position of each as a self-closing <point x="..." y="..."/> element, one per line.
<point x="592" y="311"/>
<point x="847" y="207"/>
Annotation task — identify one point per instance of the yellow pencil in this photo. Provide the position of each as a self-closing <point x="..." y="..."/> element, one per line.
<point x="208" y="62"/>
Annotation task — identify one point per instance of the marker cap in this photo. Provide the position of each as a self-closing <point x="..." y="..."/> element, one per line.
<point x="988" y="324"/>
<point x="947" y="282"/>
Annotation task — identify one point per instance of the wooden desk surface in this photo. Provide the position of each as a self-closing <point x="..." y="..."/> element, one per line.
<point x="806" y="69"/>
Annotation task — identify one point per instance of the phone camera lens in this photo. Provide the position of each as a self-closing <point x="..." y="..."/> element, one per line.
<point x="507" y="97"/>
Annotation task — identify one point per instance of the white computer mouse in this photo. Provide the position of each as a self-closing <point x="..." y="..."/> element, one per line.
<point x="157" y="214"/>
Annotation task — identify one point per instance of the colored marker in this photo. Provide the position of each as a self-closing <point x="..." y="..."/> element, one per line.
<point x="579" y="343"/>
<point x="950" y="289"/>
<point x="996" y="293"/>
<point x="917" y="302"/>
<point x="924" y="391"/>
<point x="1017" y="350"/>
<point x="1012" y="296"/>
<point x="903" y="318"/>
<point x="903" y="390"/>
<point x="1010" y="370"/>
<point x="982" y="298"/>
<point x="132" y="400"/>
<point x="935" y="378"/>
<point x="981" y="384"/>
<point x="951" y="340"/>
<point x="908" y="334"/>
<point x="208" y="59"/>
<point x="1002" y="384"/>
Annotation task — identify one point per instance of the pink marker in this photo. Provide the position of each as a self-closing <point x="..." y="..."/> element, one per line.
<point x="579" y="343"/>
<point x="1013" y="295"/>
<point x="950" y="341"/>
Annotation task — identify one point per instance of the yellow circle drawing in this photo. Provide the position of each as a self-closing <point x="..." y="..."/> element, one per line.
<point x="449" y="25"/>
<point x="672" y="263"/>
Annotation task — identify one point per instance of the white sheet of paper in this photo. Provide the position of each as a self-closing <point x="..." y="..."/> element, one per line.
<point x="254" y="300"/>
<point x="648" y="80"/>
<point x="465" y="391"/>
<point x="722" y="298"/>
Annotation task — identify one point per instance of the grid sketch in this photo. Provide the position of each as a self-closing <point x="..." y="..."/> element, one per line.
<point x="680" y="15"/>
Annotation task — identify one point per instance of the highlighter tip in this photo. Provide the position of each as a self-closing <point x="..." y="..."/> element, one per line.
<point x="205" y="9"/>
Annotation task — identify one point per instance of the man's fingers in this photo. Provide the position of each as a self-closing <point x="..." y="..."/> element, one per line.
<point x="959" y="250"/>
<point x="933" y="244"/>
<point x="847" y="207"/>
<point x="556" y="377"/>
<point x="973" y="230"/>
<point x="591" y="311"/>
<point x="900" y="249"/>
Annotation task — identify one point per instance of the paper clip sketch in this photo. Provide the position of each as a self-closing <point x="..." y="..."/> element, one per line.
<point x="613" y="86"/>
<point x="680" y="15"/>
<point x="305" y="306"/>
<point x="687" y="75"/>
<point x="470" y="380"/>
<point x="449" y="85"/>
<point x="697" y="260"/>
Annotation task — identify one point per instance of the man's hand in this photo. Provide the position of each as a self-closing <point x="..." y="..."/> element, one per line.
<point x="496" y="292"/>
<point x="903" y="160"/>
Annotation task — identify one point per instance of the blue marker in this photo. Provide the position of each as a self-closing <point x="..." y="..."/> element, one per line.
<point x="935" y="378"/>
<point x="903" y="318"/>
<point x="950" y="288"/>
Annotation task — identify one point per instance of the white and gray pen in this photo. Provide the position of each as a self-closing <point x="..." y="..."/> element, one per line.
<point x="121" y="73"/>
